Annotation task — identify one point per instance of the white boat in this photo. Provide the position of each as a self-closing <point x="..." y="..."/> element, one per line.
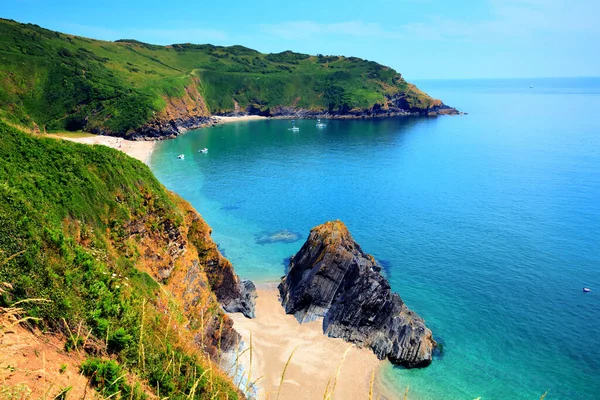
<point x="294" y="127"/>
<point x="181" y="156"/>
<point x="320" y="124"/>
<point x="530" y="86"/>
<point x="204" y="150"/>
<point x="585" y="290"/>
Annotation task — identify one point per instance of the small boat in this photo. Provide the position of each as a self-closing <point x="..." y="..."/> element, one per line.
<point x="204" y="150"/>
<point x="294" y="127"/>
<point x="320" y="124"/>
<point x="181" y="156"/>
<point x="585" y="290"/>
<point x="530" y="86"/>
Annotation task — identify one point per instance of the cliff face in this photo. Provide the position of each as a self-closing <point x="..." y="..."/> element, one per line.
<point x="331" y="277"/>
<point x="118" y="258"/>
<point x="180" y="114"/>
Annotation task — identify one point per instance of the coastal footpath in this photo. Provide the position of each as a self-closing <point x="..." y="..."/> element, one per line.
<point x="51" y="81"/>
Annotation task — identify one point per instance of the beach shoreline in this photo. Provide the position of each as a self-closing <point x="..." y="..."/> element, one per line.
<point x="141" y="150"/>
<point x="225" y="120"/>
<point x="319" y="364"/>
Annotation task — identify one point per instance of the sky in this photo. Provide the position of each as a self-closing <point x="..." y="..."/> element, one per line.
<point x="422" y="39"/>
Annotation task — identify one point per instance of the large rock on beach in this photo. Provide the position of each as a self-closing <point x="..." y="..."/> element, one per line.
<point x="332" y="278"/>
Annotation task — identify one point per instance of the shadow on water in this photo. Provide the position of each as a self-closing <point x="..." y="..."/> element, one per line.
<point x="438" y="352"/>
<point x="221" y="250"/>
<point x="386" y="267"/>
<point x="286" y="265"/>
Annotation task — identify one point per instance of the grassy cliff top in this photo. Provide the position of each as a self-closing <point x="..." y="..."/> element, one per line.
<point x="55" y="81"/>
<point x="119" y="264"/>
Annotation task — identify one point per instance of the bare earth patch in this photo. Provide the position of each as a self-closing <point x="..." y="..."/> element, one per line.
<point x="36" y="366"/>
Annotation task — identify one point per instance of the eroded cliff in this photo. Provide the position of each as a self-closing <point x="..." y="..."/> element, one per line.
<point x="122" y="270"/>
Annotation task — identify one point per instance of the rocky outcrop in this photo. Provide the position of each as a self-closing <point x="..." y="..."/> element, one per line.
<point x="234" y="294"/>
<point x="377" y="111"/>
<point x="186" y="259"/>
<point x="159" y="129"/>
<point x="331" y="277"/>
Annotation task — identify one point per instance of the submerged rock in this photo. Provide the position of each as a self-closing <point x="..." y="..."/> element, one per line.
<point x="282" y="236"/>
<point x="331" y="277"/>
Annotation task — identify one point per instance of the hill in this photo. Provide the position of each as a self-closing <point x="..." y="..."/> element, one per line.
<point x="54" y="81"/>
<point x="95" y="250"/>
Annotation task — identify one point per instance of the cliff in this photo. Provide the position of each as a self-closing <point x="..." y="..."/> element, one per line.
<point x="331" y="277"/>
<point x="127" y="271"/>
<point x="50" y="81"/>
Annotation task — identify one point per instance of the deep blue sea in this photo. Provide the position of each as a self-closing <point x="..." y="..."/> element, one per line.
<point x="487" y="224"/>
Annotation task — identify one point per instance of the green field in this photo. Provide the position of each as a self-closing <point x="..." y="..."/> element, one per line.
<point x="53" y="81"/>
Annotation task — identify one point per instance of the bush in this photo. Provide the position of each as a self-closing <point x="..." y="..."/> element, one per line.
<point x="119" y="340"/>
<point x="106" y="375"/>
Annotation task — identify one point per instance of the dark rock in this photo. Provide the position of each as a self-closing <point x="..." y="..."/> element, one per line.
<point x="331" y="277"/>
<point x="162" y="129"/>
<point x="234" y="294"/>
<point x="244" y="302"/>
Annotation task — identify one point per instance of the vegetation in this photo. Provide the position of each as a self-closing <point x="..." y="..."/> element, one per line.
<point x="55" y="81"/>
<point x="65" y="210"/>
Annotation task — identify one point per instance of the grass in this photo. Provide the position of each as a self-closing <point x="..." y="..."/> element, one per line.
<point x="71" y="264"/>
<point x="287" y="363"/>
<point x="60" y="82"/>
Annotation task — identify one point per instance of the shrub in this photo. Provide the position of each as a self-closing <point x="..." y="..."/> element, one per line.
<point x="119" y="340"/>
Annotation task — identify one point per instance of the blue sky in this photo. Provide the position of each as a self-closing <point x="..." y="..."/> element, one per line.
<point x="419" y="38"/>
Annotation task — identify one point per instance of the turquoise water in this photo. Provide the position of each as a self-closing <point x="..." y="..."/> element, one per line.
<point x="488" y="224"/>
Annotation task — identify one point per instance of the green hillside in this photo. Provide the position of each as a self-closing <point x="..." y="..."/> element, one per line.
<point x="54" y="81"/>
<point x="91" y="232"/>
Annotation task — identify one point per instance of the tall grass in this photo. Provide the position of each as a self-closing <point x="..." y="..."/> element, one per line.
<point x="284" y="370"/>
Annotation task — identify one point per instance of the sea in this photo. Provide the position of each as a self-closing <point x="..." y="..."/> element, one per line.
<point x="486" y="224"/>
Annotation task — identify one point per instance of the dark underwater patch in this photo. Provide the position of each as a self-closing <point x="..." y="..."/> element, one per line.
<point x="282" y="236"/>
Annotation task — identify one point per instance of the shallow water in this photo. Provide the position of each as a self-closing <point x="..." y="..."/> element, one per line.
<point x="488" y="224"/>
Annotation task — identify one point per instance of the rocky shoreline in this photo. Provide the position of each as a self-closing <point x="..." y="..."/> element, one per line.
<point x="162" y="129"/>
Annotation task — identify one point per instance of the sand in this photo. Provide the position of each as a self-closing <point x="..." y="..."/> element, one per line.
<point x="139" y="149"/>
<point x="314" y="363"/>
<point x="136" y="149"/>
<point x="239" y="118"/>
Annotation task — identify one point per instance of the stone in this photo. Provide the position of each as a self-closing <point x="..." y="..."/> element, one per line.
<point x="332" y="278"/>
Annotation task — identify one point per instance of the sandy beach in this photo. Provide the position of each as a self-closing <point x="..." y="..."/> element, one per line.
<point x="312" y="370"/>
<point x="142" y="150"/>
<point x="239" y="118"/>
<point x="136" y="149"/>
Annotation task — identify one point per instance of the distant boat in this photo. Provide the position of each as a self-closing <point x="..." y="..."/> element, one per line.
<point x="320" y="124"/>
<point x="530" y="86"/>
<point x="181" y="156"/>
<point x="585" y="290"/>
<point x="294" y="127"/>
<point x="204" y="150"/>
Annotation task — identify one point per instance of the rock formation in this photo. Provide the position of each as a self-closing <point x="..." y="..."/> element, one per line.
<point x="331" y="277"/>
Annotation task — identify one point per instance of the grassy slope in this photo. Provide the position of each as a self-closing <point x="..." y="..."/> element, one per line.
<point x="90" y="229"/>
<point x="60" y="81"/>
